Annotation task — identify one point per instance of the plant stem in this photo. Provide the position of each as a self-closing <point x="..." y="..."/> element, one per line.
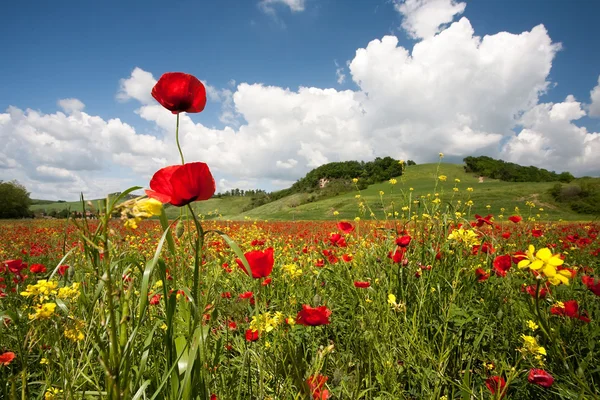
<point x="177" y="140"/>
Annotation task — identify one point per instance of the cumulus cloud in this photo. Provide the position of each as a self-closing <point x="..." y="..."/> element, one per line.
<point x="425" y="18"/>
<point x="595" y="97"/>
<point x="71" y="106"/>
<point x="136" y="87"/>
<point x="550" y="139"/>
<point x="453" y="92"/>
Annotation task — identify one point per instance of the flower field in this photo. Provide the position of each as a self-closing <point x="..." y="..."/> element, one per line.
<point x="413" y="298"/>
<point x="432" y="308"/>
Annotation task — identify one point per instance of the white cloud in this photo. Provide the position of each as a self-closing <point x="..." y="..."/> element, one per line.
<point x="290" y="163"/>
<point x="71" y="106"/>
<point x="424" y="18"/>
<point x="551" y="140"/>
<point x="339" y="73"/>
<point x="595" y="97"/>
<point x="293" y="5"/>
<point x="136" y="87"/>
<point x="453" y="92"/>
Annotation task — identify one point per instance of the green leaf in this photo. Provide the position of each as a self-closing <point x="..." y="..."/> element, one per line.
<point x="146" y="277"/>
<point x="236" y="249"/>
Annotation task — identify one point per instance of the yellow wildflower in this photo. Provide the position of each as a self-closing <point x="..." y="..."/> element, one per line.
<point x="43" y="311"/>
<point x="442" y="178"/>
<point x="545" y="262"/>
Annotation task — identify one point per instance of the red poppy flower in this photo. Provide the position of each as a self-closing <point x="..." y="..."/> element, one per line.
<point x="246" y="295"/>
<point x="403" y="241"/>
<point x="483" y="220"/>
<point x="6" y="358"/>
<point x="313" y="316"/>
<point x="181" y="184"/>
<point x="257" y="242"/>
<point x="316" y="385"/>
<point x="337" y="240"/>
<point x="37" y="268"/>
<point x="540" y="377"/>
<point x="495" y="384"/>
<point x="180" y="92"/>
<point x="502" y="264"/>
<point x="345" y="227"/>
<point x="531" y="291"/>
<point x="506" y="235"/>
<point x="347" y="257"/>
<point x="481" y="274"/>
<point x="62" y="269"/>
<point x="251" y="336"/>
<point x="15" y="266"/>
<point x="591" y="284"/>
<point x="515" y="219"/>
<point x="397" y="255"/>
<point x="261" y="262"/>
<point x="570" y="309"/>
<point x="362" y="285"/>
<point x="266" y="282"/>
<point x="485" y="248"/>
<point x="537" y="233"/>
<point x="155" y="299"/>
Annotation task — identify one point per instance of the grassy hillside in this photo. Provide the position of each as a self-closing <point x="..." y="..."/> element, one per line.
<point x="225" y="207"/>
<point x="422" y="178"/>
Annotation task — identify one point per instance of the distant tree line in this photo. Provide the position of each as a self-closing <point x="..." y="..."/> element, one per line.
<point x="241" y="193"/>
<point x="510" y="172"/>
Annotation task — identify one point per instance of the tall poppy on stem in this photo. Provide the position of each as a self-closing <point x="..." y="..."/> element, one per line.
<point x="180" y="185"/>
<point x="180" y="92"/>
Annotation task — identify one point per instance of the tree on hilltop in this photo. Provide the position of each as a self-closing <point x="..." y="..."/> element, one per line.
<point x="15" y="200"/>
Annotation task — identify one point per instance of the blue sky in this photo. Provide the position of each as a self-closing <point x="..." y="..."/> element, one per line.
<point x="82" y="50"/>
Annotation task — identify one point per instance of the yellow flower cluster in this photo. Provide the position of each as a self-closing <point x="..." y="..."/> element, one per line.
<point x="266" y="322"/>
<point x="42" y="289"/>
<point x="43" y="311"/>
<point x="531" y="346"/>
<point x="52" y="393"/>
<point x="467" y="237"/>
<point x="134" y="211"/>
<point x="545" y="262"/>
<point x="292" y="271"/>
<point x="396" y="306"/>
<point x="69" y="292"/>
<point x="75" y="333"/>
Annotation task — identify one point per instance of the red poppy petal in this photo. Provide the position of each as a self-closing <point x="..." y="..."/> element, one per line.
<point x="161" y="181"/>
<point x="191" y="182"/>
<point x="163" y="198"/>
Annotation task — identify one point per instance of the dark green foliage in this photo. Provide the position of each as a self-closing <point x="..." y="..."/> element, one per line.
<point x="339" y="177"/>
<point x="582" y="195"/>
<point x="510" y="172"/>
<point x="379" y="170"/>
<point x="14" y="200"/>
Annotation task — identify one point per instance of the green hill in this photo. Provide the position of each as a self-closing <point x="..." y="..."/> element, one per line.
<point x="422" y="178"/>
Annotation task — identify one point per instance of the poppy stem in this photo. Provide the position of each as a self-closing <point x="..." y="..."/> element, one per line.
<point x="177" y="140"/>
